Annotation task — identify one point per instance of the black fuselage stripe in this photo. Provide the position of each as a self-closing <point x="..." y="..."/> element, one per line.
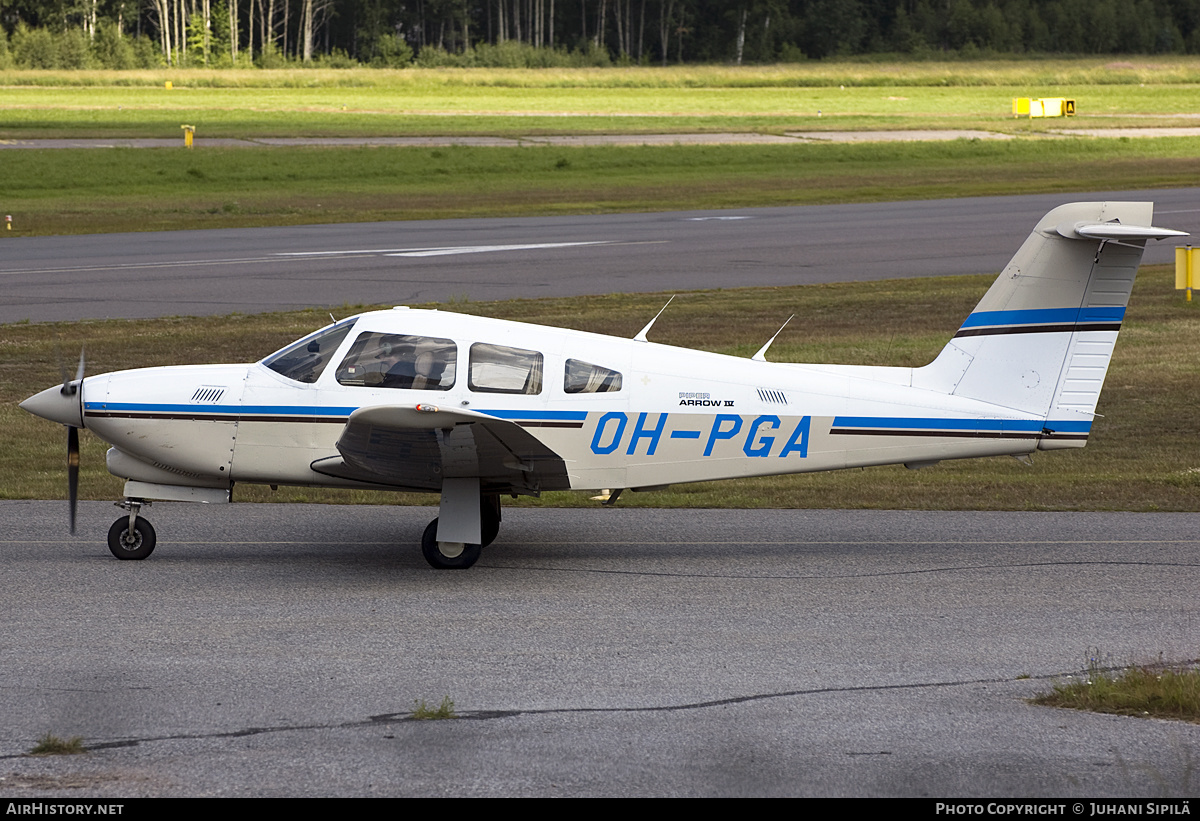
<point x="1040" y="329"/>
<point x="962" y="434"/>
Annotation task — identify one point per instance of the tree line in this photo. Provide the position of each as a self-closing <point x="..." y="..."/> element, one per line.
<point x="534" y="33"/>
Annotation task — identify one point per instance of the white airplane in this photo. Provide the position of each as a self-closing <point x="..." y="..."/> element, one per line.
<point x="475" y="408"/>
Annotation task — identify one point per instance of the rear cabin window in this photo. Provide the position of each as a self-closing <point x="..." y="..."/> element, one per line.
<point x="584" y="377"/>
<point x="498" y="369"/>
<point x="305" y="360"/>
<point x="379" y="360"/>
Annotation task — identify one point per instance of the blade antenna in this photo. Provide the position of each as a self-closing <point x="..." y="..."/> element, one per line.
<point x="761" y="356"/>
<point x="641" y="335"/>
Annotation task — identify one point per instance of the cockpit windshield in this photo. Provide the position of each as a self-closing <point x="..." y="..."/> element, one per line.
<point x="306" y="359"/>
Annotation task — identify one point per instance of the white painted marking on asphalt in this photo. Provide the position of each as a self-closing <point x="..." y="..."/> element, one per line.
<point x="443" y="250"/>
<point x="284" y="257"/>
<point x="482" y="249"/>
<point x="710" y="219"/>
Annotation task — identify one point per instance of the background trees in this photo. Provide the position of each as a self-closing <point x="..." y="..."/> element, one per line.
<point x="132" y="33"/>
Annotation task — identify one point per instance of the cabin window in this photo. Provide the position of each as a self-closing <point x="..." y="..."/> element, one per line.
<point x="419" y="363"/>
<point x="584" y="377"/>
<point x="497" y="369"/>
<point x="306" y="359"/>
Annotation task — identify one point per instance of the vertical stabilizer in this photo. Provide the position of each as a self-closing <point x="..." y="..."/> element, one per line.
<point x="1041" y="338"/>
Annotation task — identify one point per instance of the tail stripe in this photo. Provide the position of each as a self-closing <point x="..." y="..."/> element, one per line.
<point x="1042" y="320"/>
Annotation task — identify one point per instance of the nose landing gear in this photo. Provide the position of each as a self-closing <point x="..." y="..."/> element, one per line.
<point x="131" y="537"/>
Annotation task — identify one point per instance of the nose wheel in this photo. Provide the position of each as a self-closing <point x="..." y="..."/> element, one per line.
<point x="131" y="537"/>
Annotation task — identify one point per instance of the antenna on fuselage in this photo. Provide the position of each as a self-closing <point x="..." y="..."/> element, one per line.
<point x="761" y="356"/>
<point x="641" y="335"/>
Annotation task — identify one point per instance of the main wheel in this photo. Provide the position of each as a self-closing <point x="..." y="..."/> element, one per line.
<point x="447" y="555"/>
<point x="125" y="545"/>
<point x="489" y="519"/>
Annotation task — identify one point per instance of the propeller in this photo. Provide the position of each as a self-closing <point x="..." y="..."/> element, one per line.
<point x="65" y="406"/>
<point x="71" y="388"/>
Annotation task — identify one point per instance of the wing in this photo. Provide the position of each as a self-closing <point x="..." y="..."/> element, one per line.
<point x="416" y="447"/>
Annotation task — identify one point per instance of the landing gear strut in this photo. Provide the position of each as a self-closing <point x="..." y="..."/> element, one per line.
<point x="445" y="555"/>
<point x="131" y="537"/>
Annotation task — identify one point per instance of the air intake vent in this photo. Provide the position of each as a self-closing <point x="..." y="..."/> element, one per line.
<point x="207" y="393"/>
<point x="177" y="471"/>
<point x="774" y="397"/>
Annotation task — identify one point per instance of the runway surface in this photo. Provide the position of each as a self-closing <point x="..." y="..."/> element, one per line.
<point x="267" y="269"/>
<point x="276" y="650"/>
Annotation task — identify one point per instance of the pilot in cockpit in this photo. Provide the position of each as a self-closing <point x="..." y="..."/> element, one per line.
<point x="396" y="365"/>
<point x="399" y="361"/>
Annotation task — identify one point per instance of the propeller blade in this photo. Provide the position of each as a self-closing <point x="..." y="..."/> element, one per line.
<point x="71" y="387"/>
<point x="72" y="472"/>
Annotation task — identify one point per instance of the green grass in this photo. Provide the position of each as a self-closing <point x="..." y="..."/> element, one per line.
<point x="1143" y="453"/>
<point x="1152" y="691"/>
<point x="108" y="190"/>
<point x="31" y="112"/>
<point x="360" y="102"/>
<point x="53" y="745"/>
<point x="423" y="712"/>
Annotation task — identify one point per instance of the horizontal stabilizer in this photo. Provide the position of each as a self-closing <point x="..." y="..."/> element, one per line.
<point x="1115" y="231"/>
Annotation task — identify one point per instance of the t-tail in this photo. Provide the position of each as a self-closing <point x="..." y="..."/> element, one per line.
<point x="1042" y="337"/>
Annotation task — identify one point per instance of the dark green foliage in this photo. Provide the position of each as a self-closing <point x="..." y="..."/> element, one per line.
<point x="34" y="48"/>
<point x="111" y="50"/>
<point x="508" y="33"/>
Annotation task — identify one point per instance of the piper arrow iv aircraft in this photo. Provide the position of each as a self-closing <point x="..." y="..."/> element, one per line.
<point x="475" y="408"/>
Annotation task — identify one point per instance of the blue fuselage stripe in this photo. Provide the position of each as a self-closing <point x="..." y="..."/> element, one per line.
<point x="1044" y="316"/>
<point x="539" y="416"/>
<point x="243" y="410"/>
<point x="305" y="410"/>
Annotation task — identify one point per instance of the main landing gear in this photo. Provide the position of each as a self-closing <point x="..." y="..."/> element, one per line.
<point x="131" y="537"/>
<point x="454" y="555"/>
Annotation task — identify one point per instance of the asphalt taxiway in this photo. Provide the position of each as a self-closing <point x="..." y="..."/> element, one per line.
<point x="400" y="263"/>
<point x="278" y="649"/>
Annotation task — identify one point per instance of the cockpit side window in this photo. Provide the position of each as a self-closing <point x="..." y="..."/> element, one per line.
<point x="379" y="360"/>
<point x="499" y="369"/>
<point x="584" y="377"/>
<point x="305" y="360"/>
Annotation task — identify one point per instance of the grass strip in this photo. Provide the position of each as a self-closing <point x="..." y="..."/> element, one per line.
<point x="1145" y="691"/>
<point x="248" y="112"/>
<point x="1137" y="71"/>
<point x="512" y="102"/>
<point x="113" y="190"/>
<point x="1143" y="453"/>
